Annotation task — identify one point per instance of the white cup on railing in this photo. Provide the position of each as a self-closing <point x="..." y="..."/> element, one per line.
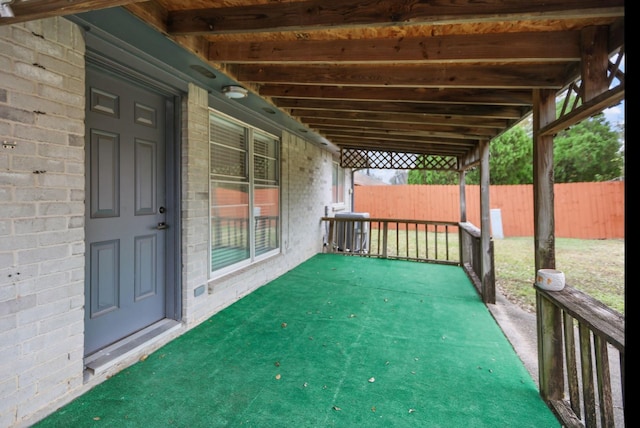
<point x="550" y="279"/>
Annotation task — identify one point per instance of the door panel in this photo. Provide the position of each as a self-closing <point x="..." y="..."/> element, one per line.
<point x="125" y="279"/>
<point x="104" y="149"/>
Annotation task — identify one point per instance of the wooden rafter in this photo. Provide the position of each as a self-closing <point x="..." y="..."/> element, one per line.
<point x="300" y="16"/>
<point x="511" y="47"/>
<point x="408" y="75"/>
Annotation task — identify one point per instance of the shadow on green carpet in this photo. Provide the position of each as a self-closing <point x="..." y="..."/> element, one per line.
<point x="336" y="342"/>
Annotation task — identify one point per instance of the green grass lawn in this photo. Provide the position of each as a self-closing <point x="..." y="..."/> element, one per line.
<point x="596" y="267"/>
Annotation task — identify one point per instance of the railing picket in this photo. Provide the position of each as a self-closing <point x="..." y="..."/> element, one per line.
<point x="622" y="366"/>
<point x="406" y="238"/>
<point x="385" y="239"/>
<point x="446" y="238"/>
<point x="572" y="367"/>
<point x="397" y="239"/>
<point x="426" y="242"/>
<point x="604" y="382"/>
<point x="586" y="362"/>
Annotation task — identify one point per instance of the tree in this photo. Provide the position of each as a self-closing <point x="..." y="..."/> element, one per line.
<point x="588" y="151"/>
<point x="423" y="176"/>
<point x="510" y="159"/>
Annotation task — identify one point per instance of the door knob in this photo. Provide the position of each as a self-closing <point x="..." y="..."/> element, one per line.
<point x="162" y="225"/>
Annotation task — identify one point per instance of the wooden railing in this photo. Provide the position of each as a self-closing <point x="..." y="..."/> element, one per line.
<point x="471" y="256"/>
<point x="578" y="338"/>
<point x="418" y="240"/>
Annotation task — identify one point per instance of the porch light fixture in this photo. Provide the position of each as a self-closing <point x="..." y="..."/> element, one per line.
<point x="5" y="9"/>
<point x="234" y="92"/>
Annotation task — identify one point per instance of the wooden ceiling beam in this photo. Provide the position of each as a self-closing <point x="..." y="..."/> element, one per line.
<point x="433" y="136"/>
<point x="398" y="142"/>
<point x="515" y="97"/>
<point x="387" y="133"/>
<point x="513" y="76"/>
<point x="528" y="46"/>
<point x="390" y="126"/>
<point x="495" y="112"/>
<point x="314" y="14"/>
<point x="399" y="118"/>
<point x="401" y="138"/>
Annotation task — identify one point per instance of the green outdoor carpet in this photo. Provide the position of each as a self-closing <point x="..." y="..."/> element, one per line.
<point x="336" y="342"/>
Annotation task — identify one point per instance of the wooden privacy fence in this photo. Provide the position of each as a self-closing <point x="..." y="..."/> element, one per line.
<point x="582" y="210"/>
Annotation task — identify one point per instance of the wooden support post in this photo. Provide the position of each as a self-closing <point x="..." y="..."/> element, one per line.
<point x="550" y="370"/>
<point x="463" y="196"/>
<point x="544" y="111"/>
<point x="595" y="61"/>
<point x="463" y="211"/>
<point x="488" y="283"/>
<point x="549" y="317"/>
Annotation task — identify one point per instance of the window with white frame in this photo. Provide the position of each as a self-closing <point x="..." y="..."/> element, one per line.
<point x="244" y="193"/>
<point x="337" y="184"/>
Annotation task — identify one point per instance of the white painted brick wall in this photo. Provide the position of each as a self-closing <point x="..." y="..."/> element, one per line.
<point x="195" y="202"/>
<point x="41" y="216"/>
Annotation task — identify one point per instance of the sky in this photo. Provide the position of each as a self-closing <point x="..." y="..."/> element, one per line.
<point x="615" y="115"/>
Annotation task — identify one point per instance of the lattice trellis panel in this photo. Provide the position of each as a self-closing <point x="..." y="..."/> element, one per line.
<point x="439" y="163"/>
<point x="356" y="158"/>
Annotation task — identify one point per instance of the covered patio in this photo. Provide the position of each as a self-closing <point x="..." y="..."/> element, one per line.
<point x="337" y="341"/>
<point x="313" y="90"/>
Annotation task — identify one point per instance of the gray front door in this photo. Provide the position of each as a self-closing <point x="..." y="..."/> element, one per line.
<point x="125" y="288"/>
